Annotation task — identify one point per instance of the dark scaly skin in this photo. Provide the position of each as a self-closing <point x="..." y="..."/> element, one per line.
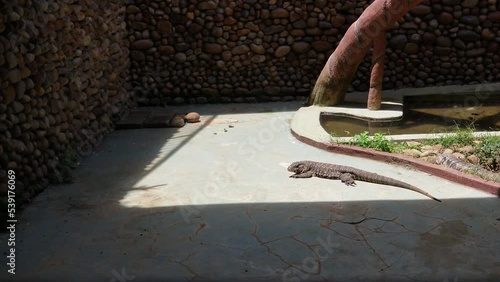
<point x="460" y="165"/>
<point x="347" y="174"/>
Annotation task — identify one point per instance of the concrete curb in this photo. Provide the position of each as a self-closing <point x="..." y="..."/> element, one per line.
<point x="443" y="172"/>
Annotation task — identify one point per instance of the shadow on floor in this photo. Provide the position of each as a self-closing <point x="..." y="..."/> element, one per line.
<point x="302" y="241"/>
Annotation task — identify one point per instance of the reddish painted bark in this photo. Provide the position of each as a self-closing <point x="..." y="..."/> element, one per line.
<point x="339" y="70"/>
<point x="377" y="75"/>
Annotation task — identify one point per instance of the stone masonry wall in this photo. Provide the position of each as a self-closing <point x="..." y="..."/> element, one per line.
<point x="267" y="50"/>
<point x="63" y="82"/>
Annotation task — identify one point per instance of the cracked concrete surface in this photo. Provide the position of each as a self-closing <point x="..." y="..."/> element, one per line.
<point x="213" y="202"/>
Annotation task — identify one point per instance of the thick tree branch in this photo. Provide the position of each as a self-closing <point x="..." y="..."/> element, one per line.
<point x="332" y="84"/>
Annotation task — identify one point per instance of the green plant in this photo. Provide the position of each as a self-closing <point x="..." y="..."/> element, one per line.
<point x="381" y="143"/>
<point x="378" y="142"/>
<point x="488" y="151"/>
<point x="361" y="140"/>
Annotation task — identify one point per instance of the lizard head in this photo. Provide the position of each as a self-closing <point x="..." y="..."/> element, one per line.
<point x="298" y="167"/>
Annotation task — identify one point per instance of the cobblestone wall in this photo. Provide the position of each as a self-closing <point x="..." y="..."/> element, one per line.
<point x="261" y="50"/>
<point x="63" y="79"/>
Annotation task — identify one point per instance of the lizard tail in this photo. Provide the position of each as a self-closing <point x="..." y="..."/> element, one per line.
<point x="386" y="180"/>
<point x="423" y="193"/>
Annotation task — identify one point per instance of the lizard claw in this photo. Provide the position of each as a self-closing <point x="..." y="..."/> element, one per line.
<point x="347" y="179"/>
<point x="350" y="184"/>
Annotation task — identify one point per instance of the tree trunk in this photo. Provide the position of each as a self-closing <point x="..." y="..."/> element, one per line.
<point x="377" y="76"/>
<point x="331" y="87"/>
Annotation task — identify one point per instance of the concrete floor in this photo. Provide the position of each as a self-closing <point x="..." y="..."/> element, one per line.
<point x="212" y="201"/>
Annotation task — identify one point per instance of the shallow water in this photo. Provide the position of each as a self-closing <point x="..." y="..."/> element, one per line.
<point x="419" y="120"/>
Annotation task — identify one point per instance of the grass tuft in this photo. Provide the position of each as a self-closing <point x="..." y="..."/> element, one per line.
<point x="486" y="148"/>
<point x="460" y="137"/>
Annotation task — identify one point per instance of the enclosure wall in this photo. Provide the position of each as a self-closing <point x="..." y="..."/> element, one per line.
<point x="261" y="50"/>
<point x="63" y="83"/>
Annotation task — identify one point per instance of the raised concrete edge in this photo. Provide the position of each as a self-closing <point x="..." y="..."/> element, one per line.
<point x="305" y="122"/>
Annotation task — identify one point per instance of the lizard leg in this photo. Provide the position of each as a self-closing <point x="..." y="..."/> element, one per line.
<point x="348" y="179"/>
<point x="307" y="174"/>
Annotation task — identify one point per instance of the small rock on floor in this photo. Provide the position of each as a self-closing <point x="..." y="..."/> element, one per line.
<point x="177" y="121"/>
<point x="192" y="117"/>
